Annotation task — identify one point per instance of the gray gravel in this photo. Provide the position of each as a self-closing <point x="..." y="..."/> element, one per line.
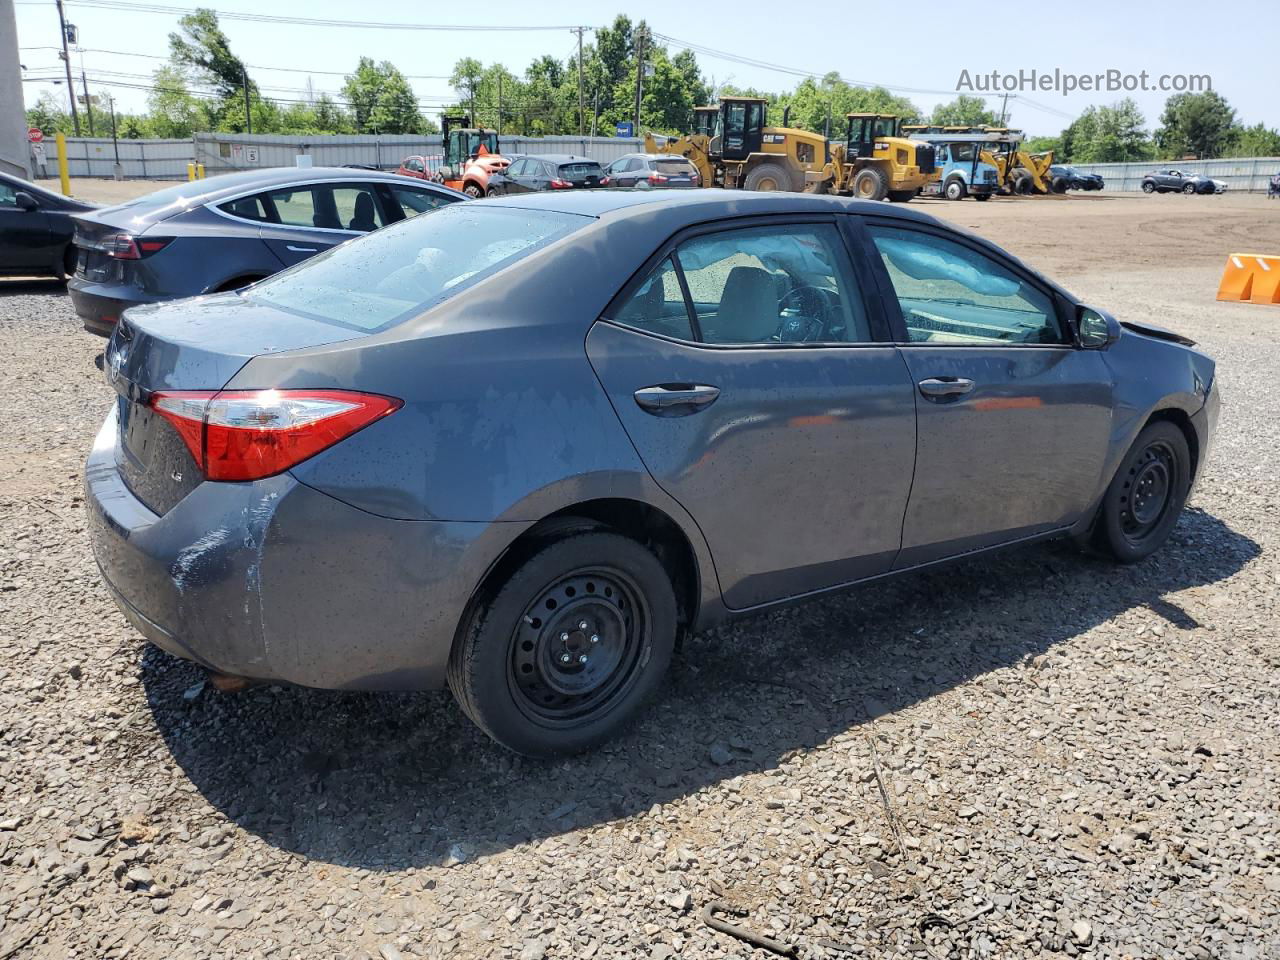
<point x="1035" y="754"/>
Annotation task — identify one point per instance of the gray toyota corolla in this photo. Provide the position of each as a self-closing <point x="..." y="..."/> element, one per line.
<point x="522" y="445"/>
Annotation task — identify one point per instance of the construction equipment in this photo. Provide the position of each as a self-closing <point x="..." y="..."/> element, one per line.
<point x="1019" y="172"/>
<point x="471" y="155"/>
<point x="876" y="162"/>
<point x="962" y="170"/>
<point x="731" y="147"/>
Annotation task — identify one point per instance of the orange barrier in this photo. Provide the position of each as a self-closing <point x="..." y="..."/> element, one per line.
<point x="1251" y="277"/>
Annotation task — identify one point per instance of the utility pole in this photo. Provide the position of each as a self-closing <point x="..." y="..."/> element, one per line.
<point x="1004" y="109"/>
<point x="499" y="104"/>
<point x="88" y="104"/>
<point x="595" y="113"/>
<point x="66" y="61"/>
<point x="582" y="102"/>
<point x="248" y="117"/>
<point x="639" y="78"/>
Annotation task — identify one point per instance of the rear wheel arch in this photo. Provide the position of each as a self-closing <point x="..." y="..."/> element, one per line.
<point x="644" y="523"/>
<point x="235" y="283"/>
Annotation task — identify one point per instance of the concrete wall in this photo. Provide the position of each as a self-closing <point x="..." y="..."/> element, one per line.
<point x="13" y="122"/>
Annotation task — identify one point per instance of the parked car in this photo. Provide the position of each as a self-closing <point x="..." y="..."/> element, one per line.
<point x="531" y="174"/>
<point x="1219" y="186"/>
<point x="415" y="166"/>
<point x="36" y="230"/>
<point x="524" y="445"/>
<point x="646" y="171"/>
<point x="211" y="235"/>
<point x="1175" y="181"/>
<point x="1073" y="179"/>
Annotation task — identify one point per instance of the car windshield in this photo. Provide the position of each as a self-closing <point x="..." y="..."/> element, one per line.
<point x="376" y="281"/>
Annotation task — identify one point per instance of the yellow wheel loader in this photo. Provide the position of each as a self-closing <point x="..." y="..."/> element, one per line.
<point x="1019" y="172"/>
<point x="731" y="147"/>
<point x="876" y="162"/>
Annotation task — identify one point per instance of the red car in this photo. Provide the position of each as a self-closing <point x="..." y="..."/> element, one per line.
<point x="415" y="167"/>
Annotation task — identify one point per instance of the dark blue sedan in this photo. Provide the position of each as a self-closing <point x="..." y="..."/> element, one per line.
<point x="522" y="445"/>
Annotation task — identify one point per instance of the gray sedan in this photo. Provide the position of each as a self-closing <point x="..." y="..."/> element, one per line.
<point x="221" y="234"/>
<point x="523" y="445"/>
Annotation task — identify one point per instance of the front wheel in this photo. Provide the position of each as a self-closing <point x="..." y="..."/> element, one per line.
<point x="1146" y="496"/>
<point x="1189" y="189"/>
<point x="567" y="650"/>
<point x="982" y="196"/>
<point x="473" y="191"/>
<point x="955" y="189"/>
<point x="767" y="178"/>
<point x="1148" y="187"/>
<point x="871" y="184"/>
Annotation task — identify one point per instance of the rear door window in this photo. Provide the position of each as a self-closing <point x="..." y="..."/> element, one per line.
<point x="658" y="305"/>
<point x="412" y="201"/>
<point x="250" y="208"/>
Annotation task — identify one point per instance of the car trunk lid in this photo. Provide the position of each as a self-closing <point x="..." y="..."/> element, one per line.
<point x="172" y="347"/>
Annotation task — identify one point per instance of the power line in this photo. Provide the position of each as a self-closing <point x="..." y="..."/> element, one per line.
<point x="122" y="6"/>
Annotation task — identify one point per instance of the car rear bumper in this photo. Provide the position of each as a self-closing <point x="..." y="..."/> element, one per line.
<point x="274" y="580"/>
<point x="99" y="305"/>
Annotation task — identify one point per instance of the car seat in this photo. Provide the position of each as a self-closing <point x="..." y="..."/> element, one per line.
<point x="363" y="219"/>
<point x="748" y="310"/>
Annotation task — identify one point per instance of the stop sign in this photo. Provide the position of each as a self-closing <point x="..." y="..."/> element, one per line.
<point x="35" y="135"/>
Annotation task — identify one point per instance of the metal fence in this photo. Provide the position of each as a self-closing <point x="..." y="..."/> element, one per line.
<point x="140" y="159"/>
<point x="1244" y="174"/>
<point x="223" y="153"/>
<point x="228" y="152"/>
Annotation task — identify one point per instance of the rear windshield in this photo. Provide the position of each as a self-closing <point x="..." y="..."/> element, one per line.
<point x="676" y="167"/>
<point x="580" y="170"/>
<point x="372" y="282"/>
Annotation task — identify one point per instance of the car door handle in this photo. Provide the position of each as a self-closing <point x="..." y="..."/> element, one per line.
<point x="676" y="399"/>
<point x="290" y="246"/>
<point x="945" y="388"/>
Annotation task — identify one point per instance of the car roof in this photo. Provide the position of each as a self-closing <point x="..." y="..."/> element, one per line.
<point x="655" y="156"/>
<point x="683" y="207"/>
<point x="560" y="157"/>
<point x="228" y="184"/>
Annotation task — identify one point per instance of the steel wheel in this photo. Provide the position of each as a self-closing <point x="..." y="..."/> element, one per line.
<point x="577" y="646"/>
<point x="1148" y="491"/>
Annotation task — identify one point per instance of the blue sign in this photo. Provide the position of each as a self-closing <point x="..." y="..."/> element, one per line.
<point x="626" y="129"/>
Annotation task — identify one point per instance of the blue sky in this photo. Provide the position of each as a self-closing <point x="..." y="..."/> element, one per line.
<point x="918" y="51"/>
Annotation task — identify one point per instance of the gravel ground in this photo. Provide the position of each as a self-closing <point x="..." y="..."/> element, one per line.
<point x="1037" y="754"/>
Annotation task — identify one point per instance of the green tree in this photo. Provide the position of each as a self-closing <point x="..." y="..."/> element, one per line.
<point x="50" y="114"/>
<point x="1107" y="134"/>
<point x="201" y="47"/>
<point x="1255" y="141"/>
<point x="964" y="111"/>
<point x="172" y="111"/>
<point x="1202" y="124"/>
<point x="381" y="99"/>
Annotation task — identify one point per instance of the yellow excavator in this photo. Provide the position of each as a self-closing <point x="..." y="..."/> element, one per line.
<point x="731" y="147"/>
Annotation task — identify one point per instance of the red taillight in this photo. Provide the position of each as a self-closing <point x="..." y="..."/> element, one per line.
<point x="560" y="185"/>
<point x="657" y="178"/>
<point x="123" y="246"/>
<point x="251" y="434"/>
<point x="604" y="181"/>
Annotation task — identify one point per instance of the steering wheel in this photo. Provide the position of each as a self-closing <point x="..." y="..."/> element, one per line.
<point x="813" y="304"/>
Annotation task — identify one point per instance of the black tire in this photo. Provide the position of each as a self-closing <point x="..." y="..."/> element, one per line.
<point x="235" y="283"/>
<point x="871" y="184"/>
<point x="1146" y="496"/>
<point x="1189" y="189"/>
<point x="1148" y="187"/>
<point x="768" y="177"/>
<point x="1060" y="185"/>
<point x="980" y="197"/>
<point x="901" y="196"/>
<point x="955" y="189"/>
<point x="507" y="669"/>
<point x="67" y="269"/>
<point x="1021" y="183"/>
<point x="473" y="191"/>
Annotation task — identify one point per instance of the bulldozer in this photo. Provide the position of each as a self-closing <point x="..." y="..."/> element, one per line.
<point x="470" y="155"/>
<point x="731" y="147"/>
<point x="876" y="162"/>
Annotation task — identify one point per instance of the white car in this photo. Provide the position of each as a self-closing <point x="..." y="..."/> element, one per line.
<point x="1219" y="186"/>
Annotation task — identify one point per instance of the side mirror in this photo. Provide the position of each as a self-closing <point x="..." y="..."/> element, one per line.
<point x="25" y="201"/>
<point x="1097" y="330"/>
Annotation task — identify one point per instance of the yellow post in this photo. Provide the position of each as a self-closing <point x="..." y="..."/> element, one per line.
<point x="191" y="171"/>
<point x="63" y="174"/>
<point x="200" y="171"/>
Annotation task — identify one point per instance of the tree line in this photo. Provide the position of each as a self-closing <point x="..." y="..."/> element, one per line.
<point x="204" y="86"/>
